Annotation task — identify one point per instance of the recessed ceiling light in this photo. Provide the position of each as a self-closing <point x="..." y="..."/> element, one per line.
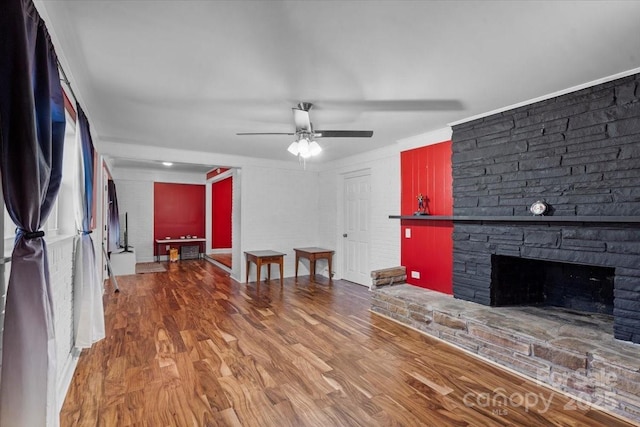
<point x="167" y="163"/>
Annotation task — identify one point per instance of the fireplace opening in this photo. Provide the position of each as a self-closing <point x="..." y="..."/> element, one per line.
<point x="523" y="281"/>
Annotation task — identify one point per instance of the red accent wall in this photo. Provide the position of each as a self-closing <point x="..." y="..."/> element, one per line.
<point x="221" y="196"/>
<point x="429" y="250"/>
<point x="178" y="210"/>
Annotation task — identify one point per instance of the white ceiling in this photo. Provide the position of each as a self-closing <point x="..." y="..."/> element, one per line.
<point x="156" y="165"/>
<point x="191" y="74"/>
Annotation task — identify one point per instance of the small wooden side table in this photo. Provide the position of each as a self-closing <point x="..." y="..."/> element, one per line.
<point x="313" y="254"/>
<point x="265" y="257"/>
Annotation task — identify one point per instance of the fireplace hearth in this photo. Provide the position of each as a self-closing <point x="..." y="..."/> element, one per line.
<point x="571" y="351"/>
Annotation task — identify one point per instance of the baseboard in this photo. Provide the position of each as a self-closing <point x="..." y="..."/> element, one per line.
<point x="219" y="251"/>
<point x="219" y="265"/>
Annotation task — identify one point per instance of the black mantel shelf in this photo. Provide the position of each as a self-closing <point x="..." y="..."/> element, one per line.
<point x="533" y="219"/>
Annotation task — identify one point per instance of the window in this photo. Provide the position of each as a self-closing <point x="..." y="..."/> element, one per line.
<point x="50" y="227"/>
<point x="55" y="223"/>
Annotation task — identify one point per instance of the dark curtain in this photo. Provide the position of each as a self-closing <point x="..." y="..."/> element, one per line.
<point x="31" y="140"/>
<point x="87" y="289"/>
<point x="114" y="217"/>
<point x="87" y="153"/>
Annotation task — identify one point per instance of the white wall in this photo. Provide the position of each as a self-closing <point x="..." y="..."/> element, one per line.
<point x="60" y="255"/>
<point x="279" y="212"/>
<point x="135" y="198"/>
<point x="384" y="168"/>
<point x="237" y="260"/>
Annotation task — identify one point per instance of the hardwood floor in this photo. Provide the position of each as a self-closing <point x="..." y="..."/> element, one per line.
<point x="190" y="347"/>
<point x="223" y="258"/>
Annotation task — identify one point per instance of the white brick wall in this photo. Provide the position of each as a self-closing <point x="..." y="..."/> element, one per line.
<point x="328" y="209"/>
<point x="279" y="212"/>
<point x="237" y="261"/>
<point x="60" y="254"/>
<point x="385" y="201"/>
<point x="384" y="169"/>
<point x="283" y="209"/>
<point x="136" y="199"/>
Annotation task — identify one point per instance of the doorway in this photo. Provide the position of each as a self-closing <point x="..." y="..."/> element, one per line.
<point x="221" y="211"/>
<point x="356" y="235"/>
<point x="223" y="219"/>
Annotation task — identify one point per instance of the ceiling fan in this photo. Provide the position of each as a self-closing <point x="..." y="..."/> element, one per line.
<point x="305" y="145"/>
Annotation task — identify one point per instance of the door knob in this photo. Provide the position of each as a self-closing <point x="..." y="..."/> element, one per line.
<point x="344" y="235"/>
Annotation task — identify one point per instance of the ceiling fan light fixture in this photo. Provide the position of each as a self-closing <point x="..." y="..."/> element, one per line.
<point x="305" y="145"/>
<point x="303" y="148"/>
<point x="293" y="148"/>
<point x="314" y="148"/>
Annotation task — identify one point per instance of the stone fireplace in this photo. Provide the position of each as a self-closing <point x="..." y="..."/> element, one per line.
<point x="522" y="281"/>
<point x="580" y="153"/>
<point x="539" y="254"/>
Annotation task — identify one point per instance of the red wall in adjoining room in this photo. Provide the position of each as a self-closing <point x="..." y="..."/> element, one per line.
<point x="178" y="210"/>
<point x="221" y="203"/>
<point x="428" y="248"/>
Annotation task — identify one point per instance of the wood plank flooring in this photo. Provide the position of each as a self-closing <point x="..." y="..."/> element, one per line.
<point x="190" y="347"/>
<point x="223" y="258"/>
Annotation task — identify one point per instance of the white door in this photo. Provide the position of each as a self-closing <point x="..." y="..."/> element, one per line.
<point x="357" y="196"/>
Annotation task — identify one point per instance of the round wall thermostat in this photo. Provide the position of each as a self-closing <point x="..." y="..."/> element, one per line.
<point x="539" y="208"/>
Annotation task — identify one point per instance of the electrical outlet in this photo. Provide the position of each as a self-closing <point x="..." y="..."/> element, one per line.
<point x="407" y="233"/>
<point x="415" y="274"/>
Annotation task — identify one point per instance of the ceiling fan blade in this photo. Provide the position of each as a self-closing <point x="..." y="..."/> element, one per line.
<point x="343" y="133"/>
<point x="301" y="119"/>
<point x="266" y="133"/>
<point x="392" y="105"/>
